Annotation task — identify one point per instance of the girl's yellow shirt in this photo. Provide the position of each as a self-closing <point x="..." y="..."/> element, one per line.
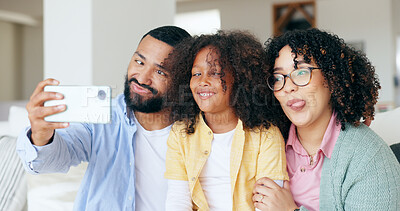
<point x="255" y="153"/>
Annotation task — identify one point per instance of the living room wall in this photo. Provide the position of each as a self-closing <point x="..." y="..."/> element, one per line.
<point x="369" y="22"/>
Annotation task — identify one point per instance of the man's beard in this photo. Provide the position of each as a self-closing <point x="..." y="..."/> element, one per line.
<point x="135" y="102"/>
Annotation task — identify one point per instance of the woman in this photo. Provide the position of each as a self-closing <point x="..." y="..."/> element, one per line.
<point x="334" y="162"/>
<point x="221" y="137"/>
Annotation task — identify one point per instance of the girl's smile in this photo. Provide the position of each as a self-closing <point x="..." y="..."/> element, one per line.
<point x="207" y="82"/>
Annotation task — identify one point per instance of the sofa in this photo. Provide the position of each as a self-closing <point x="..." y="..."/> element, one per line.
<point x="386" y="125"/>
<point x="56" y="192"/>
<point x="20" y="190"/>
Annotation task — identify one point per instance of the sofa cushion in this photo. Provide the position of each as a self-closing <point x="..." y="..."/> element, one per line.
<point x="13" y="186"/>
<point x="18" y="120"/>
<point x="386" y="125"/>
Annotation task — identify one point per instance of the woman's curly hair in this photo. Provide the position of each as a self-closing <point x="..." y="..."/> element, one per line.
<point x="348" y="73"/>
<point x="239" y="53"/>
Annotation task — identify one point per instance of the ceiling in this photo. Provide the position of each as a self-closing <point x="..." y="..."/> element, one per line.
<point x="33" y="8"/>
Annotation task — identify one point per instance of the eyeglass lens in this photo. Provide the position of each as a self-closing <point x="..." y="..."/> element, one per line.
<point x="299" y="77"/>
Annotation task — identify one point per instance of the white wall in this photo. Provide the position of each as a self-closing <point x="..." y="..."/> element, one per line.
<point x="21" y="60"/>
<point x="10" y="70"/>
<point x="117" y="28"/>
<point x="91" y="41"/>
<point x="396" y="27"/>
<point x="354" y="20"/>
<point x="252" y="15"/>
<point x="236" y="14"/>
<point x="31" y="60"/>
<point x="368" y="21"/>
<point x="68" y="41"/>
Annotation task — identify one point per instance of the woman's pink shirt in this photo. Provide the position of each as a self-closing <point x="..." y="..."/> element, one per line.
<point x="304" y="172"/>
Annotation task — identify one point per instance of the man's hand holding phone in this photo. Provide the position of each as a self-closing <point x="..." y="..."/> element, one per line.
<point x="85" y="104"/>
<point x="42" y="131"/>
<point x="52" y="107"/>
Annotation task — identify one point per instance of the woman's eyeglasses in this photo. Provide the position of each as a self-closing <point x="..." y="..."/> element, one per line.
<point x="300" y="77"/>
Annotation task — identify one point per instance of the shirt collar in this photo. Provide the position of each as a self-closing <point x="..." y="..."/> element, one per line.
<point x="203" y="127"/>
<point x="328" y="141"/>
<point x="330" y="136"/>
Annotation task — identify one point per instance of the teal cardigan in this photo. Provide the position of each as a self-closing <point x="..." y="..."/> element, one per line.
<point x="362" y="173"/>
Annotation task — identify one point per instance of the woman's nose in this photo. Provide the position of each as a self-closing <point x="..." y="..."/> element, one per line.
<point x="289" y="86"/>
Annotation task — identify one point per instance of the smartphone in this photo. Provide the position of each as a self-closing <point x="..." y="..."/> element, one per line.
<point x="86" y="104"/>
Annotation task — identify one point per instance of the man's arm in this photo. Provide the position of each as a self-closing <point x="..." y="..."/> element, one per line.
<point x="42" y="148"/>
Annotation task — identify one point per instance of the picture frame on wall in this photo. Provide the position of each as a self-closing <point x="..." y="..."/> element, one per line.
<point x="291" y="16"/>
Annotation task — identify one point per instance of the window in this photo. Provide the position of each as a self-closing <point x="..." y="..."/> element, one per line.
<point x="199" y="22"/>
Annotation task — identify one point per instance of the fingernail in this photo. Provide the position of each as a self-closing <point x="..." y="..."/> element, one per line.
<point x="58" y="95"/>
<point x="65" y="124"/>
<point x="55" y="82"/>
<point x="60" y="107"/>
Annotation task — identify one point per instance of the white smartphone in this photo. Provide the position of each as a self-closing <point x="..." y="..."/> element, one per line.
<point x="87" y="104"/>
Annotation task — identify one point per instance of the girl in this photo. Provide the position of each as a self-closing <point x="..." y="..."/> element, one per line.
<point x="325" y="88"/>
<point x="222" y="135"/>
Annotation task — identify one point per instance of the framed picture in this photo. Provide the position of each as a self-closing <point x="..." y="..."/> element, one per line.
<point x="290" y="16"/>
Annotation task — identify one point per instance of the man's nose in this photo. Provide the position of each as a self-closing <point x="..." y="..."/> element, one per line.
<point x="145" y="76"/>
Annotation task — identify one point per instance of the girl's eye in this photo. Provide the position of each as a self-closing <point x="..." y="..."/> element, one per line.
<point x="139" y="62"/>
<point x="196" y="74"/>
<point x="161" y="72"/>
<point x="217" y="73"/>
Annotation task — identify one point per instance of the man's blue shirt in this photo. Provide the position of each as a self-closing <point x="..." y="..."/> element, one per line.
<point x="109" y="181"/>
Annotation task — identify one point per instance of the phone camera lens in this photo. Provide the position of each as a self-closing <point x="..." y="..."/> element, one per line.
<point x="101" y="94"/>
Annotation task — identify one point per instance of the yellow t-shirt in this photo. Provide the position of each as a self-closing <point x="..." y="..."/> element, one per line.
<point x="254" y="154"/>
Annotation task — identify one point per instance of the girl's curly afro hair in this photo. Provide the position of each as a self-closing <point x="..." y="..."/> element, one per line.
<point x="348" y="73"/>
<point x="239" y="53"/>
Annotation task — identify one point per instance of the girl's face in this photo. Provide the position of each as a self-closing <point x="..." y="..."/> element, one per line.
<point x="207" y="89"/>
<point x="308" y="105"/>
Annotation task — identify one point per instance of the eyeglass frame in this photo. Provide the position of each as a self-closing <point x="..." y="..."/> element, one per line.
<point x="289" y="76"/>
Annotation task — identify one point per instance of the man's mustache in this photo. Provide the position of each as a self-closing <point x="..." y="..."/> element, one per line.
<point x="152" y="90"/>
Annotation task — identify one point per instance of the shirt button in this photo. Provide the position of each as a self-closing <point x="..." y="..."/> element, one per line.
<point x="130" y="198"/>
<point x="302" y="169"/>
<point x="206" y="152"/>
<point x="209" y="132"/>
<point x="130" y="163"/>
<point x="193" y="179"/>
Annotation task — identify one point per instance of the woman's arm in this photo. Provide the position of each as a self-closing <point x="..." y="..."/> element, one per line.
<point x="376" y="186"/>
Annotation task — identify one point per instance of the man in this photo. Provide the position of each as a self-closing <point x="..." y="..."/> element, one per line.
<point x="126" y="157"/>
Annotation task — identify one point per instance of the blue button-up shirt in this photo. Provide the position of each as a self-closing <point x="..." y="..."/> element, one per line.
<point x="109" y="182"/>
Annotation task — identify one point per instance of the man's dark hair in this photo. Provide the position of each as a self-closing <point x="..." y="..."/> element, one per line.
<point x="172" y="35"/>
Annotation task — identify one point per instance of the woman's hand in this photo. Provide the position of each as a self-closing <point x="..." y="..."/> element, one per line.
<point x="267" y="195"/>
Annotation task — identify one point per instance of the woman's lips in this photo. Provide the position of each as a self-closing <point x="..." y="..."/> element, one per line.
<point x="296" y="104"/>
